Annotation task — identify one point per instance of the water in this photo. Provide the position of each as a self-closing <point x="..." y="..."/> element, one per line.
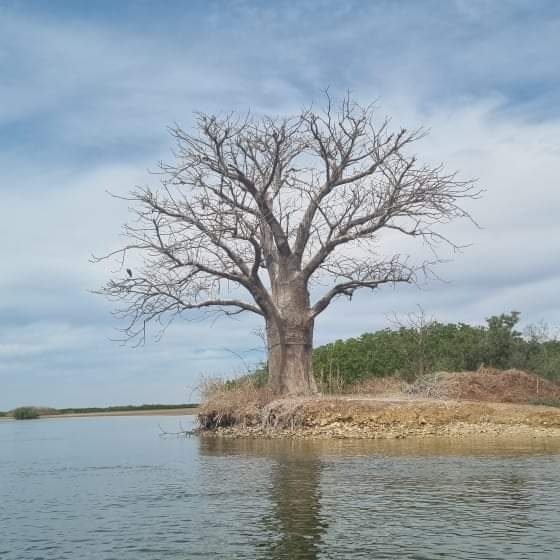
<point x="111" y="488"/>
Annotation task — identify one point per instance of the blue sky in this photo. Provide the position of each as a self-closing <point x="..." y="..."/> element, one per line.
<point x="88" y="88"/>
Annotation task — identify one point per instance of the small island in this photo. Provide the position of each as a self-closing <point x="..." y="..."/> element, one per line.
<point x="486" y="402"/>
<point x="280" y="217"/>
<point x="418" y="380"/>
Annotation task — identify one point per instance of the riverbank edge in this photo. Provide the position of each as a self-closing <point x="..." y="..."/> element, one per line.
<point x="385" y="418"/>
<point x="456" y="431"/>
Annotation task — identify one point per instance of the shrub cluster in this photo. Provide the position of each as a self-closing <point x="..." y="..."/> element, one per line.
<point x="123" y="408"/>
<point x="426" y="347"/>
<point x="415" y="351"/>
<point x="26" y="413"/>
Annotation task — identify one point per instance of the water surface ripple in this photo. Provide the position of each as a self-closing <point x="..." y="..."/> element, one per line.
<point x="111" y="488"/>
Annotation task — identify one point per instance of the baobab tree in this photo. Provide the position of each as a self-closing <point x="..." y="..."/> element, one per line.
<point x="253" y="212"/>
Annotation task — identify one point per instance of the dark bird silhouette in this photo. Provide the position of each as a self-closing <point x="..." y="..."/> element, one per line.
<point x="129" y="272"/>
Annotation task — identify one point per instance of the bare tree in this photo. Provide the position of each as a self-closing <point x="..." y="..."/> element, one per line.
<point x="419" y="324"/>
<point x="253" y="212"/>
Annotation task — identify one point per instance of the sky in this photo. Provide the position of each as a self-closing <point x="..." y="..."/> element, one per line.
<point x="88" y="89"/>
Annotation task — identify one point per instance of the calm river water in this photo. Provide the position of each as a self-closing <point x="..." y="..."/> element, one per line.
<point x="112" y="488"/>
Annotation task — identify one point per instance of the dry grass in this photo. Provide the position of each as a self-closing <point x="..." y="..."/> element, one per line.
<point x="227" y="404"/>
<point x="486" y="385"/>
<point x="379" y="386"/>
<point x="330" y="383"/>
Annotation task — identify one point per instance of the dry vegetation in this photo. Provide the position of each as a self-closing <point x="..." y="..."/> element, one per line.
<point x="226" y="404"/>
<point x="486" y="384"/>
<point x="487" y="400"/>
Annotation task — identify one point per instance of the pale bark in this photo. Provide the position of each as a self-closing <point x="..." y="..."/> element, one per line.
<point x="290" y="340"/>
<point x="290" y="359"/>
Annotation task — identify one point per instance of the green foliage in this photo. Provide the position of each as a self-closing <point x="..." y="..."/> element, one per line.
<point x="502" y="342"/>
<point x="29" y="412"/>
<point x="124" y="408"/>
<point x="3" y="414"/>
<point x="546" y="402"/>
<point x="425" y="347"/>
<point x="26" y="413"/>
<point x="412" y="351"/>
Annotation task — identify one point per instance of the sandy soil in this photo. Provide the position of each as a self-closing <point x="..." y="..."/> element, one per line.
<point x="388" y="417"/>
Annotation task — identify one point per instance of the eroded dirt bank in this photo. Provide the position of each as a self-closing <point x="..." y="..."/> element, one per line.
<point x="378" y="418"/>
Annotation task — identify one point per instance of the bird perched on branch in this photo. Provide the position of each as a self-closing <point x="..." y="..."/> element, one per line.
<point x="129" y="272"/>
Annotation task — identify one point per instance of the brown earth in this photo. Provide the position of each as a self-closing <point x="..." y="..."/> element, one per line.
<point x="489" y="385"/>
<point x="352" y="417"/>
<point x="453" y="404"/>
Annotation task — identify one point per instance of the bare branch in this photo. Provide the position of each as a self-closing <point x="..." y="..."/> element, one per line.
<point x="358" y="275"/>
<point x="251" y="210"/>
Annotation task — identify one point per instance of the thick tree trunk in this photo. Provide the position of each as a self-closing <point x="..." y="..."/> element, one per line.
<point x="290" y="342"/>
<point x="289" y="359"/>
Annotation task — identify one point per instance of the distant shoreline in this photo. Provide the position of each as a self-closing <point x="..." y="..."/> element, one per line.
<point x="164" y="411"/>
<point x="191" y="410"/>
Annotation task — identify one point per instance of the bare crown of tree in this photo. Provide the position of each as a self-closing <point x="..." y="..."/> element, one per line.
<point x="251" y="206"/>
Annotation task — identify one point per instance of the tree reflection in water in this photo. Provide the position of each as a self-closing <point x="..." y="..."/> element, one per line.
<point x="296" y="515"/>
<point x="386" y="499"/>
<point x="294" y="524"/>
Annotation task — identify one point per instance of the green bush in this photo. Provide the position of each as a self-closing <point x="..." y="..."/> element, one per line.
<point x="26" y="413"/>
<point x="546" y="402"/>
<point x="430" y="347"/>
<point x="427" y="347"/>
<point x="122" y="408"/>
